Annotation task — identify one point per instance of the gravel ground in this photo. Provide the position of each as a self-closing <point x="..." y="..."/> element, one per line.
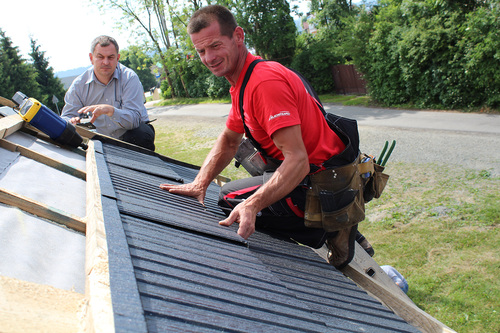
<point x="464" y="150"/>
<point x="445" y="138"/>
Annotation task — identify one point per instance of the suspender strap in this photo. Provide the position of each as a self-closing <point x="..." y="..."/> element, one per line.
<point x="242" y="92"/>
<point x="310" y="90"/>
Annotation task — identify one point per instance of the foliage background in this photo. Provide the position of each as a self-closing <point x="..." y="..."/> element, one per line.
<point x="423" y="53"/>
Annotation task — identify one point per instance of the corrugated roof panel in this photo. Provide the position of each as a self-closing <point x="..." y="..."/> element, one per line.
<point x="143" y="163"/>
<point x="326" y="291"/>
<point x="140" y="195"/>
<point x="182" y="269"/>
<point x="194" y="275"/>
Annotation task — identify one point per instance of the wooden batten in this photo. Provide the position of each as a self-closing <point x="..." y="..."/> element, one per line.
<point x="26" y="152"/>
<point x="99" y="314"/>
<point x="39" y="209"/>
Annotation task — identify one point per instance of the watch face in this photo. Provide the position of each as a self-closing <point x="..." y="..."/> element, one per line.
<point x="25" y="107"/>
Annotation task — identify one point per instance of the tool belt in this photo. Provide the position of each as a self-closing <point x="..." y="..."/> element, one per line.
<point x="336" y="197"/>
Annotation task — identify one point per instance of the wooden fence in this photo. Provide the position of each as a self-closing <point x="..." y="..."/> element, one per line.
<point x="348" y="80"/>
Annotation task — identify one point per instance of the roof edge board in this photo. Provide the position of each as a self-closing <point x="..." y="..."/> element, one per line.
<point x="26" y="152"/>
<point x="42" y="210"/>
<point x="106" y="186"/>
<point x="90" y="135"/>
<point x="126" y="300"/>
<point x="369" y="276"/>
<point x="122" y="300"/>
<point x="99" y="315"/>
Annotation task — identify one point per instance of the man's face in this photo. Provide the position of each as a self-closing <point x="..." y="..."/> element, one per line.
<point x="219" y="53"/>
<point x="105" y="59"/>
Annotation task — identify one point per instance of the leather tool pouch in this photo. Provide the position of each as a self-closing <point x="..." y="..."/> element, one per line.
<point x="254" y="161"/>
<point x="335" y="199"/>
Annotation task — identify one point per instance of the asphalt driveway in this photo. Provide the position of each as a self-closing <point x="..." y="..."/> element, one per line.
<point x="464" y="140"/>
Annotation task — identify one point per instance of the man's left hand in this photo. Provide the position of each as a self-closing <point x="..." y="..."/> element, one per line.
<point x="97" y="110"/>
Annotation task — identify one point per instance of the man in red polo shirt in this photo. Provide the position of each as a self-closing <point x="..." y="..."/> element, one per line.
<point x="284" y="119"/>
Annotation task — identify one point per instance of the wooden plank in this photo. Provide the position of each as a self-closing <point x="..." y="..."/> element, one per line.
<point x="367" y="274"/>
<point x="26" y="152"/>
<point x="10" y="124"/>
<point x="39" y="209"/>
<point x="85" y="133"/>
<point x="7" y="102"/>
<point x="363" y="262"/>
<point x="99" y="312"/>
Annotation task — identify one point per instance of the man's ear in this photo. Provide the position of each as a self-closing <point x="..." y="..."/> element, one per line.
<point x="118" y="57"/>
<point x="91" y="58"/>
<point x="239" y="34"/>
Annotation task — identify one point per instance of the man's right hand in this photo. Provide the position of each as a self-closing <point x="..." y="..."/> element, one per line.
<point x="74" y="120"/>
<point x="190" y="190"/>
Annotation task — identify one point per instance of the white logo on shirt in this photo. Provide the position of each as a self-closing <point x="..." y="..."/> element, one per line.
<point x="281" y="114"/>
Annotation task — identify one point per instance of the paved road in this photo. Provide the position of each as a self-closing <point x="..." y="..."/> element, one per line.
<point x="462" y="139"/>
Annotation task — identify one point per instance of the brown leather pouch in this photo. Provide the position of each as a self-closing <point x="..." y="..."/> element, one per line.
<point x="335" y="198"/>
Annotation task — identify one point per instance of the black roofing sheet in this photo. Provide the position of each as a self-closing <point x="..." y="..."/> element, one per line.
<point x="196" y="276"/>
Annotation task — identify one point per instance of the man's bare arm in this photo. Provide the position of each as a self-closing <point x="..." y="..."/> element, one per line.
<point x="291" y="172"/>
<point x="219" y="157"/>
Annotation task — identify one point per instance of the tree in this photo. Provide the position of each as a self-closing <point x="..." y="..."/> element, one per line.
<point x="314" y="59"/>
<point x="317" y="53"/>
<point x="161" y="28"/>
<point x="329" y="14"/>
<point x="263" y="21"/>
<point x="15" y="73"/>
<point x="152" y="17"/>
<point x="481" y="49"/>
<point x="432" y="53"/>
<point x="49" y="84"/>
<point x="135" y="58"/>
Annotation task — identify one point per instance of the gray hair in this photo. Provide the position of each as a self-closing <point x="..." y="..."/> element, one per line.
<point x="104" y="41"/>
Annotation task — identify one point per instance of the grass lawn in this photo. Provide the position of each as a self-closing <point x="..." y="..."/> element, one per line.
<point x="439" y="227"/>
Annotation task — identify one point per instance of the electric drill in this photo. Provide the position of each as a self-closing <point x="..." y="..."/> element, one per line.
<point x="41" y="117"/>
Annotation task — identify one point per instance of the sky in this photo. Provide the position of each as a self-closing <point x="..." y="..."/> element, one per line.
<point x="64" y="29"/>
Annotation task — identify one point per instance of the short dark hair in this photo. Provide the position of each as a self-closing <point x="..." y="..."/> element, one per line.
<point x="104" y="41"/>
<point x="204" y="16"/>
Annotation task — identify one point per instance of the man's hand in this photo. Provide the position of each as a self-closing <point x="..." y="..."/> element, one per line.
<point x="96" y="111"/>
<point x="75" y="120"/>
<point x="190" y="190"/>
<point x="244" y="215"/>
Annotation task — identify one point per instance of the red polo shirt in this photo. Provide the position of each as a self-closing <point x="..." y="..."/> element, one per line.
<point x="275" y="98"/>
